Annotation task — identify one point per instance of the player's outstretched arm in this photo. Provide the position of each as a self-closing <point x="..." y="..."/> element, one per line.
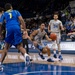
<point x="48" y="38"/>
<point x="35" y="32"/>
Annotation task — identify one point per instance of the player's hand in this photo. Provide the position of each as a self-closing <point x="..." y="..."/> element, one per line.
<point x="52" y="40"/>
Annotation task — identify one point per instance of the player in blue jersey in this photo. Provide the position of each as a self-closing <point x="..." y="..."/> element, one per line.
<point x="13" y="31"/>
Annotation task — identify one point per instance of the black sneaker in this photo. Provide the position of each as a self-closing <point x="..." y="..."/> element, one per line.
<point x="50" y="60"/>
<point x="31" y="59"/>
<point x="41" y="55"/>
<point x="60" y="57"/>
<point x="55" y="56"/>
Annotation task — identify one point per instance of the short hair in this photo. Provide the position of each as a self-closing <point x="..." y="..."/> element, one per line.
<point x="56" y="13"/>
<point x="1" y="9"/>
<point x="8" y="6"/>
<point x="41" y="24"/>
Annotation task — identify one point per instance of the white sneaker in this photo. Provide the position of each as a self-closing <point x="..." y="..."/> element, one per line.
<point x="27" y="59"/>
<point x="1" y="68"/>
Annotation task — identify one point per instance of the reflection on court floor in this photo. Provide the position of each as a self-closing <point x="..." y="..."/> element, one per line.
<point x="36" y="69"/>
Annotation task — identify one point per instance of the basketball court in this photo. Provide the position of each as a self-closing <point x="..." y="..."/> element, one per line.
<point x="14" y="65"/>
<point x="14" y="62"/>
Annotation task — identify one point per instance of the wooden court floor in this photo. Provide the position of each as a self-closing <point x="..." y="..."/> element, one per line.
<point x="68" y="59"/>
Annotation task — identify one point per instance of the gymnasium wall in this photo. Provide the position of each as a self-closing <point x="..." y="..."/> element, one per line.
<point x="66" y="47"/>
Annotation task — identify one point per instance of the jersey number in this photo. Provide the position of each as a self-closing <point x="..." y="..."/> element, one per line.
<point x="10" y="15"/>
<point x="55" y="26"/>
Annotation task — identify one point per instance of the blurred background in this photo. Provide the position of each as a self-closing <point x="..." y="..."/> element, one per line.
<point x="36" y="11"/>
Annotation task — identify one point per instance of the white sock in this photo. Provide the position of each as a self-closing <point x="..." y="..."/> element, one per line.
<point x="60" y="53"/>
<point x="54" y="52"/>
<point x="25" y="54"/>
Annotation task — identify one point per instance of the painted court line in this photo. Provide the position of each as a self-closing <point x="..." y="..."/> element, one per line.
<point x="33" y="72"/>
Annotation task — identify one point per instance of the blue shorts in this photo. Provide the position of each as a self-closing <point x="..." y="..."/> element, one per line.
<point x="13" y="35"/>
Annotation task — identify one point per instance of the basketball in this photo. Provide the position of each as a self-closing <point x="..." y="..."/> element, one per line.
<point x="53" y="36"/>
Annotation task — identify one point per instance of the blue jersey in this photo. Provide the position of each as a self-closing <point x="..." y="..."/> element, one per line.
<point x="13" y="31"/>
<point x="11" y="17"/>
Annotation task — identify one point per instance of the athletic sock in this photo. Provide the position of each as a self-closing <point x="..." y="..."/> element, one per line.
<point x="60" y="53"/>
<point x="25" y="54"/>
<point x="54" y="51"/>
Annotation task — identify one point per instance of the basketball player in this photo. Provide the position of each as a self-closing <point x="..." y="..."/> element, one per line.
<point x="37" y="36"/>
<point x="25" y="39"/>
<point x="13" y="31"/>
<point x="55" y="26"/>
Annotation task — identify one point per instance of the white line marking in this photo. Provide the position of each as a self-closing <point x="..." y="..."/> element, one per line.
<point x="40" y="72"/>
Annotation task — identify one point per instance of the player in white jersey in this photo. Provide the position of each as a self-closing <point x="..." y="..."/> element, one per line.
<point x="37" y="36"/>
<point x="55" y="26"/>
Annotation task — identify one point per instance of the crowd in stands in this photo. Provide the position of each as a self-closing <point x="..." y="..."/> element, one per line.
<point x="37" y="11"/>
<point x="68" y="23"/>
